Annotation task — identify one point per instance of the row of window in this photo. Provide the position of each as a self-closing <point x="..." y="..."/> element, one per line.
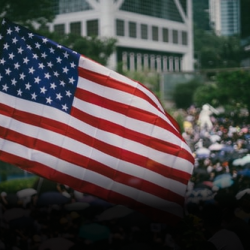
<point x="66" y="6"/>
<point x="141" y="31"/>
<point x="140" y="61"/>
<point x="76" y="28"/>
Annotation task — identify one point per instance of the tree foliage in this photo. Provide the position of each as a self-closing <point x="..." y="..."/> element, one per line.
<point x="214" y="51"/>
<point x="206" y="93"/>
<point x="231" y="89"/>
<point x="234" y="88"/>
<point x="27" y="12"/>
<point x="183" y="93"/>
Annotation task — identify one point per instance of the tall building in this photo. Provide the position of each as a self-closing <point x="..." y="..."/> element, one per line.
<point x="153" y="35"/>
<point x="201" y="14"/>
<point x="225" y="16"/>
<point x="245" y="32"/>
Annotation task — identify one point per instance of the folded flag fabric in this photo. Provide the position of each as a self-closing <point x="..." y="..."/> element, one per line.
<point x="71" y="120"/>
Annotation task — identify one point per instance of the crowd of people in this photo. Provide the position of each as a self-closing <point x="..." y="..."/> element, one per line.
<point x="217" y="206"/>
<point x="219" y="191"/>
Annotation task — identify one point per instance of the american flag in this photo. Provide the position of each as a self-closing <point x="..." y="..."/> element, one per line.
<point x="71" y="120"/>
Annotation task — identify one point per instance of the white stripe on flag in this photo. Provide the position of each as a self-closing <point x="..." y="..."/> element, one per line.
<point x="112" y="139"/>
<point x="90" y="176"/>
<point x="83" y="149"/>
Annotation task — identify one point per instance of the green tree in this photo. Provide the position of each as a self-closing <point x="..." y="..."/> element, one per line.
<point x="234" y="88"/>
<point x="230" y="90"/>
<point x="183" y="93"/>
<point x="27" y="12"/>
<point x="214" y="51"/>
<point x="206" y="93"/>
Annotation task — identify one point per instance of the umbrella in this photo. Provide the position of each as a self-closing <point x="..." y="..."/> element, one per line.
<point x="114" y="213"/>
<point x="84" y="197"/>
<point x="228" y="148"/>
<point x="244" y="130"/>
<point x="216" y="146"/>
<point x="202" y="152"/>
<point x="135" y="219"/>
<point x="214" y="138"/>
<point x="92" y="200"/>
<point x="26" y="192"/>
<point x="14" y="213"/>
<point x="22" y="222"/>
<point x="94" y="232"/>
<point x="25" y="195"/>
<point x="199" y="194"/>
<point x="56" y="243"/>
<point x="76" y="206"/>
<point x="52" y="198"/>
<point x="241" y="193"/>
<point x="208" y="183"/>
<point x="11" y="199"/>
<point x="201" y="171"/>
<point x="204" y="184"/>
<point x="242" y="161"/>
<point x="223" y="181"/>
<point x="244" y="172"/>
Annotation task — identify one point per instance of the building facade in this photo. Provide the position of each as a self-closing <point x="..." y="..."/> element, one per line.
<point x="155" y="35"/>
<point x="245" y="32"/>
<point x="225" y="16"/>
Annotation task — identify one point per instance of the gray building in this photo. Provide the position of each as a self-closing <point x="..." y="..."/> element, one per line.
<point x="155" y="35"/>
<point x="225" y="16"/>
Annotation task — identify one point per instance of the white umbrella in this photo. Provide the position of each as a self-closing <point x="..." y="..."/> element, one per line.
<point x="25" y="195"/>
<point x="26" y="192"/>
<point x="216" y="146"/>
<point x="240" y="194"/>
<point x="214" y="138"/>
<point x="242" y="161"/>
<point x="202" y="152"/>
<point x="114" y="212"/>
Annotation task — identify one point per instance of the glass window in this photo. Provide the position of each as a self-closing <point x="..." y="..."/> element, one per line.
<point x="165" y="9"/>
<point x="184" y="38"/>
<point x="144" y="31"/>
<point x="65" y="6"/>
<point x="165" y="35"/>
<point x="120" y="28"/>
<point x="175" y="36"/>
<point x="59" y="29"/>
<point x="132" y="29"/>
<point x="92" y="28"/>
<point x="155" y="35"/>
<point x="75" y="28"/>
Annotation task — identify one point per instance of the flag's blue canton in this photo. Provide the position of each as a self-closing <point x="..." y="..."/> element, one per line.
<point x="37" y="69"/>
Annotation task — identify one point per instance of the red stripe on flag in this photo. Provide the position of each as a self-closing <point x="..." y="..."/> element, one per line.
<point x="129" y="111"/>
<point x="91" y="164"/>
<point x="125" y="155"/>
<point x="115" y="84"/>
<point x="77" y="184"/>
